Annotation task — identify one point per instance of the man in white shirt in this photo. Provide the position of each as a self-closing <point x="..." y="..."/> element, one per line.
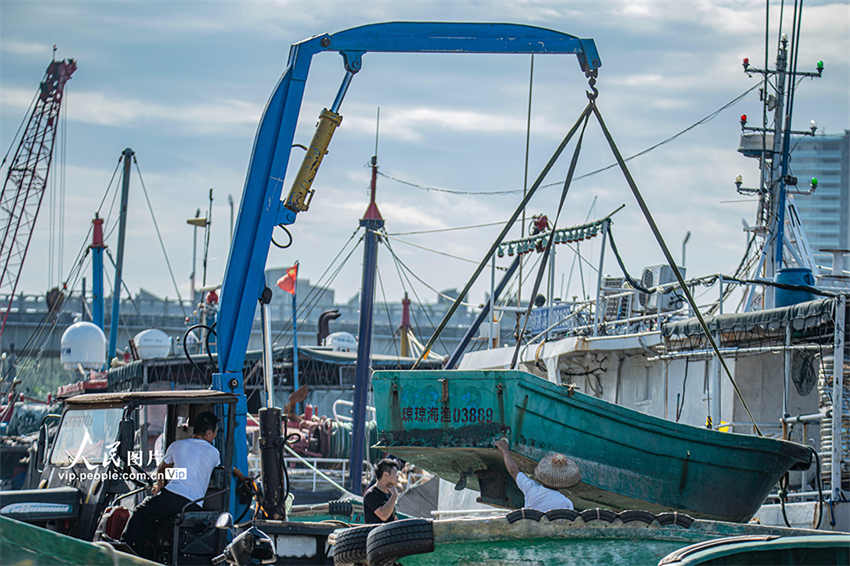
<point x="192" y="461"/>
<point x="537" y="496"/>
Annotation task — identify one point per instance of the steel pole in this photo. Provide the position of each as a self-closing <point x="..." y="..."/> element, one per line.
<point x="837" y="398"/>
<point x="119" y="263"/>
<point x="597" y="316"/>
<point x="551" y="290"/>
<point x="773" y="245"/>
<point x="194" y="261"/>
<point x="492" y="302"/>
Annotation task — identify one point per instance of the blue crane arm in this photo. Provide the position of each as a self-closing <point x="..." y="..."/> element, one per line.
<point x="261" y="208"/>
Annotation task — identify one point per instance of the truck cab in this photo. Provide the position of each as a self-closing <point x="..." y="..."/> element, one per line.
<point x="101" y="461"/>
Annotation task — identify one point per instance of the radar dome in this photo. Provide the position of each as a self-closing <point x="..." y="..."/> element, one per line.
<point x="341" y="342"/>
<point x="83" y="343"/>
<point x="152" y="343"/>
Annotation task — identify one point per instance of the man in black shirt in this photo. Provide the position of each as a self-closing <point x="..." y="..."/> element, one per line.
<point x="380" y="499"/>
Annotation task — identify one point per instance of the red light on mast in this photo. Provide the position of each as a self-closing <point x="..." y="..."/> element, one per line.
<point x="743" y="120"/>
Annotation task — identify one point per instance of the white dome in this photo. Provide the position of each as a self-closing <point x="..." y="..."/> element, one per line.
<point x="83" y="343"/>
<point x="152" y="343"/>
<point x="341" y="342"/>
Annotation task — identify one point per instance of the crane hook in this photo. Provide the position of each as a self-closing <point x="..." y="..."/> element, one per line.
<point x="591" y="80"/>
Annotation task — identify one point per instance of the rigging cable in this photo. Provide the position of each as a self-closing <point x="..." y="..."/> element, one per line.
<point x="432" y="250"/>
<point x="492" y="250"/>
<point x="622" y="265"/>
<point x="668" y="256"/>
<point x="551" y="239"/>
<point x="322" y="284"/>
<point x="439" y="230"/>
<point x="123" y="283"/>
<point x="402" y="275"/>
<point x="578" y="252"/>
<point x="62" y="183"/>
<point x="314" y="297"/>
<point x="122" y="317"/>
<point x="701" y="121"/>
<point x="159" y="236"/>
<point x="439" y="293"/>
<point x="387" y="308"/>
<point x="315" y="294"/>
<point x="21" y="125"/>
<point x="84" y="249"/>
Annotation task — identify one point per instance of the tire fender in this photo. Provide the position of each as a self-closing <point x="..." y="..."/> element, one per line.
<point x="399" y="538"/>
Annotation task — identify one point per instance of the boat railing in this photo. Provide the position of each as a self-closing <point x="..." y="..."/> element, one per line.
<point x="350" y="406"/>
<point x="306" y="472"/>
<point x="641" y="322"/>
<point x="733" y="352"/>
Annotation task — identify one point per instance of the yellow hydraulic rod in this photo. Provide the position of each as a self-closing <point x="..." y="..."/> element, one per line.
<point x="301" y="194"/>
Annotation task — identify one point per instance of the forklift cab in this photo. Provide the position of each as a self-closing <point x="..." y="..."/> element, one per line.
<point x="101" y="463"/>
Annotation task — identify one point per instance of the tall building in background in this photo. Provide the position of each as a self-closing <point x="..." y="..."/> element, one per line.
<point x="826" y="213"/>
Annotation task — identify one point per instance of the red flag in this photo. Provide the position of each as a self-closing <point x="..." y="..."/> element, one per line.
<point x="287" y="282"/>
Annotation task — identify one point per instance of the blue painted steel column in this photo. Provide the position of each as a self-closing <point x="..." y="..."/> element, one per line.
<point x="119" y="262"/>
<point x="295" y="345"/>
<point x="372" y="222"/>
<point x="97" y="271"/>
<point x="364" y="348"/>
<point x="259" y="213"/>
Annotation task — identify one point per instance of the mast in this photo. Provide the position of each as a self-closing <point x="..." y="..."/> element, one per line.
<point x="119" y="262"/>
<point x="372" y="221"/>
<point x="773" y="162"/>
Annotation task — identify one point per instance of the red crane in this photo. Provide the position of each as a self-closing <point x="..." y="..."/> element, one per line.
<point x="26" y="179"/>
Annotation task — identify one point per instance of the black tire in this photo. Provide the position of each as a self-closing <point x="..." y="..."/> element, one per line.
<point x="399" y="538"/>
<point x="523" y="513"/>
<point x="636" y="515"/>
<point x="675" y="518"/>
<point x="350" y="545"/>
<point x="568" y="514"/>
<point x="598" y="515"/>
<point x="340" y="507"/>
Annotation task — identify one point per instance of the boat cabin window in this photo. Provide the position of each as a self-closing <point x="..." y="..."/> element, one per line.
<point x="149" y="440"/>
<point x="177" y="425"/>
<point x="86" y="436"/>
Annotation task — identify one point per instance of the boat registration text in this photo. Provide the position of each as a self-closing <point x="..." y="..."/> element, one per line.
<point x="470" y="415"/>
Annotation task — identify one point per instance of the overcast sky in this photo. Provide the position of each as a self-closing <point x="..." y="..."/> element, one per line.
<point x="184" y="85"/>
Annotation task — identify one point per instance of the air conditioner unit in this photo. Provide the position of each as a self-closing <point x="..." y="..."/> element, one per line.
<point x="654" y="275"/>
<point x="619" y="307"/>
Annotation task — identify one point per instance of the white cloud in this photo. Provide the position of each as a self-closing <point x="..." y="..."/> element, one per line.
<point x="112" y="110"/>
<point x="25" y="47"/>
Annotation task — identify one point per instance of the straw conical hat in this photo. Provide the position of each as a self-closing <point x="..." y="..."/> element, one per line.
<point x="557" y="471"/>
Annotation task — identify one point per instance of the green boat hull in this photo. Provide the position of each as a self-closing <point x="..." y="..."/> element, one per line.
<point x="764" y="550"/>
<point x="446" y="422"/>
<point x="23" y="544"/>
